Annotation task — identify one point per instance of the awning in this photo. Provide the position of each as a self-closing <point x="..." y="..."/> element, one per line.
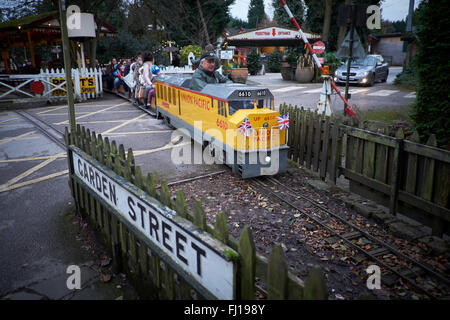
<point x="270" y="37"/>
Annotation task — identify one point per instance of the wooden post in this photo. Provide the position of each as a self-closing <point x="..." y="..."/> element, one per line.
<point x="247" y="268"/>
<point x="221" y="228"/>
<point x="426" y="191"/>
<point x="199" y="215"/>
<point x="180" y="204"/>
<point x="411" y="176"/>
<point x="30" y="46"/>
<point x="395" y="182"/>
<point x="324" y="158"/>
<point x="67" y="63"/>
<point x="315" y="288"/>
<point x="335" y="153"/>
<point x="277" y="274"/>
<point x="5" y="56"/>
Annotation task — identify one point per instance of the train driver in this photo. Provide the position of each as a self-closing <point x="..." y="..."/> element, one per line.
<point x="205" y="73"/>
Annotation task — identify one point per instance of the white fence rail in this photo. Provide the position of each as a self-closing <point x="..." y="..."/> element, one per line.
<point x="171" y="69"/>
<point x="50" y="85"/>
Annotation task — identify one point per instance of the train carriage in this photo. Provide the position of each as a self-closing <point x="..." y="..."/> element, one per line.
<point x="215" y="118"/>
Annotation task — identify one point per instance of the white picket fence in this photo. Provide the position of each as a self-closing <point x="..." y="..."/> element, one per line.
<point x="16" y="88"/>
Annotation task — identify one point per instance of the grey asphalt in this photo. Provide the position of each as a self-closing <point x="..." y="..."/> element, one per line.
<point x="40" y="236"/>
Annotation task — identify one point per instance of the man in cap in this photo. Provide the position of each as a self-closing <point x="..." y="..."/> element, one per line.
<point x="208" y="47"/>
<point x="206" y="74"/>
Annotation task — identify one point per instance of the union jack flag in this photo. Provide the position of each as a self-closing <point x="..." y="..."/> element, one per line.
<point x="245" y="127"/>
<point x="283" y="121"/>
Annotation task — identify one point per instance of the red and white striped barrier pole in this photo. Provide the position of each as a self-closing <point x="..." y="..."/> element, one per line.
<point x="348" y="110"/>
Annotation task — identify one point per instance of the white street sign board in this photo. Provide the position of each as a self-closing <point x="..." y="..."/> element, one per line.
<point x="182" y="243"/>
<point x="226" y="54"/>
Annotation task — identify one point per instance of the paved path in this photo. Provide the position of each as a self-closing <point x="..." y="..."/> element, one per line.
<point x="381" y="95"/>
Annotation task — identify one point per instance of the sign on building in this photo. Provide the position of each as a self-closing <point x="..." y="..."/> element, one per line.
<point x="226" y="54"/>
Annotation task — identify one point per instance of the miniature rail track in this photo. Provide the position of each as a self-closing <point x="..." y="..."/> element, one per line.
<point x="54" y="134"/>
<point x="407" y="271"/>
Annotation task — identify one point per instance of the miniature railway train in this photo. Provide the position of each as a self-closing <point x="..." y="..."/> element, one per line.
<point x="237" y="123"/>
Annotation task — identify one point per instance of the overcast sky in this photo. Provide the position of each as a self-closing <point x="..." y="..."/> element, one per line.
<point x="392" y="10"/>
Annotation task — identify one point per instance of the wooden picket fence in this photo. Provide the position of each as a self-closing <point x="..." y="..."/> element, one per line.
<point x="154" y="278"/>
<point x="401" y="174"/>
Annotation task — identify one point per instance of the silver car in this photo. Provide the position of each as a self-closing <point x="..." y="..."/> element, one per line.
<point x="364" y="71"/>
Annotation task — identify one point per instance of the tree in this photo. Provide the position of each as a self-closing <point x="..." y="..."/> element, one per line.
<point x="280" y="16"/>
<point x="176" y="17"/>
<point x="327" y="20"/>
<point x="314" y="21"/>
<point x="254" y="61"/>
<point x="432" y="108"/>
<point x="274" y="61"/>
<point x="256" y="13"/>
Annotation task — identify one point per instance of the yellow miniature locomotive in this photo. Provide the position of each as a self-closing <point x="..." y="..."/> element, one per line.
<point x="237" y="123"/>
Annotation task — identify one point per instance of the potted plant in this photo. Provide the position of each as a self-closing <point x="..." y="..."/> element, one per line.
<point x="239" y="74"/>
<point x="286" y="71"/>
<point x="288" y="66"/>
<point x="305" y="69"/>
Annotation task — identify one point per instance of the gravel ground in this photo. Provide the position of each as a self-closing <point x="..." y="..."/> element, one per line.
<point x="303" y="241"/>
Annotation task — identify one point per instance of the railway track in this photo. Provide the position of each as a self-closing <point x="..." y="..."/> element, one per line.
<point x="51" y="132"/>
<point x="407" y="268"/>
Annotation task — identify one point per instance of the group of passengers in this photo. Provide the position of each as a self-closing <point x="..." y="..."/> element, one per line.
<point x="144" y="71"/>
<point x="135" y="76"/>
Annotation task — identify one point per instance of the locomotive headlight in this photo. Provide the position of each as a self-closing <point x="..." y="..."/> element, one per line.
<point x="267" y="159"/>
<point x="265" y="125"/>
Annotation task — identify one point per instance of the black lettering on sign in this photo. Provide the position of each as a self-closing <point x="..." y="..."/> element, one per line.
<point x="98" y="182"/>
<point x="200" y="252"/>
<point x="165" y="235"/>
<point x="91" y="81"/>
<point x="131" y="206"/>
<point x="112" y="193"/>
<point x="180" y="247"/>
<point x="104" y="181"/>
<point x="154" y="225"/>
<point x="85" y="170"/>
<point x="91" y="175"/>
<point x="143" y="210"/>
<point x="79" y="168"/>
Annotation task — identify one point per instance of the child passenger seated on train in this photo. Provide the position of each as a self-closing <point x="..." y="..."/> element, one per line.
<point x="145" y="78"/>
<point x="206" y="74"/>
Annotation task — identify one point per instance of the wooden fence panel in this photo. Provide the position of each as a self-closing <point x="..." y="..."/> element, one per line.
<point x="390" y="170"/>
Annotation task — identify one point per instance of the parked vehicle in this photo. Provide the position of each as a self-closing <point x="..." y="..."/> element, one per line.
<point x="364" y="71"/>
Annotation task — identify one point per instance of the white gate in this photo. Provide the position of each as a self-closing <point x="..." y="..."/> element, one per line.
<point x="50" y="85"/>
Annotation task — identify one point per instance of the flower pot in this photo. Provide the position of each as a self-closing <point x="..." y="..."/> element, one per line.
<point x="239" y="75"/>
<point x="286" y="73"/>
<point x="304" y="75"/>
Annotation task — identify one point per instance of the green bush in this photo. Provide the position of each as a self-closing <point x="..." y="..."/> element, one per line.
<point x="184" y="52"/>
<point x="274" y="61"/>
<point x="432" y="108"/>
<point x="253" y="61"/>
<point x="408" y="76"/>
